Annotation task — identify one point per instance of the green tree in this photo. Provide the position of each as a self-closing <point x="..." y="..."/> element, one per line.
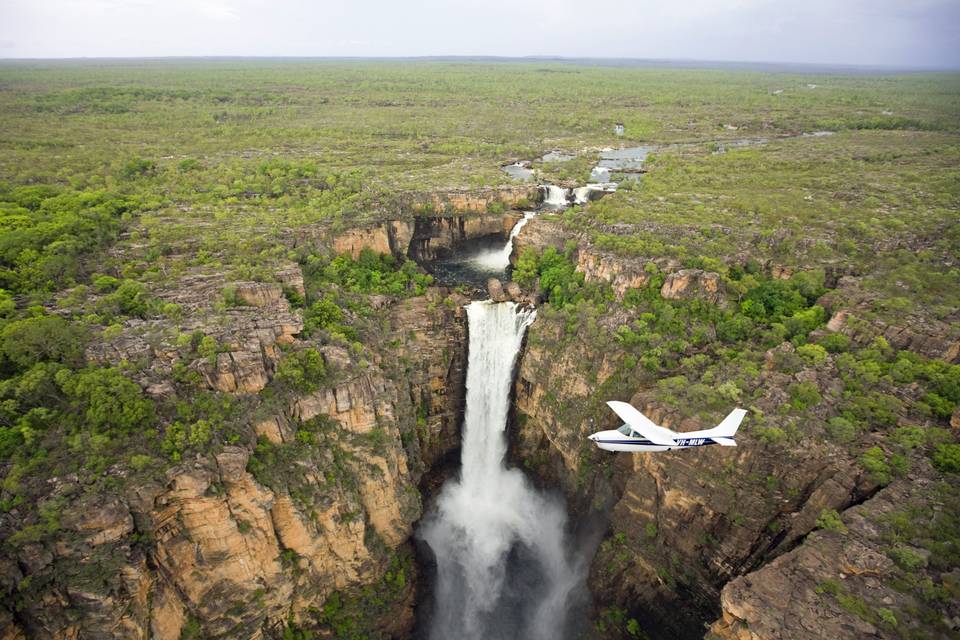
<point x="45" y="338"/>
<point x="7" y="305"/>
<point x="303" y="370"/>
<point x="107" y="399"/>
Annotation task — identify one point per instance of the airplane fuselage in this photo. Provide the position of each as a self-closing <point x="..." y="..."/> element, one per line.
<point x="616" y="441"/>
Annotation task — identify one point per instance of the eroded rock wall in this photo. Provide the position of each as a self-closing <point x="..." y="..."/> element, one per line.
<point x="683" y="523"/>
<point x="863" y="577"/>
<point x="232" y="547"/>
<point x="434" y="224"/>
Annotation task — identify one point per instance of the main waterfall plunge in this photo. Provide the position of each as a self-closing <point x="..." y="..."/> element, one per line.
<point x="503" y="565"/>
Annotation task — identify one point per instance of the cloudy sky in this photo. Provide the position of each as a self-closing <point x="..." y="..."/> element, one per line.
<point x="923" y="33"/>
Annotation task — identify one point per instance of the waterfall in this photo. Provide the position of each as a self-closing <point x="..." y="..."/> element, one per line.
<point x="581" y="195"/>
<point x="555" y="196"/>
<point x="499" y="259"/>
<point x="501" y="549"/>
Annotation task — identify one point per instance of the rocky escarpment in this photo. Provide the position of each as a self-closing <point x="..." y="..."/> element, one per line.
<point x="866" y="575"/>
<point x="433" y="225"/>
<point x="685" y="524"/>
<point x="423" y="238"/>
<point x="316" y="494"/>
<point x="854" y="314"/>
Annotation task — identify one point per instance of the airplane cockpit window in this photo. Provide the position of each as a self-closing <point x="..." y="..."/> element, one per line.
<point x="625" y="430"/>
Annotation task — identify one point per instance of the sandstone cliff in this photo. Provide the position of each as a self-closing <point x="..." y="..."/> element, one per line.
<point x="870" y="574"/>
<point x="432" y="225"/>
<point x="256" y="535"/>
<point x="684" y="524"/>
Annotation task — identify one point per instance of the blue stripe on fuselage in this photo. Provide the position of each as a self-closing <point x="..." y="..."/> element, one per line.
<point x="678" y="443"/>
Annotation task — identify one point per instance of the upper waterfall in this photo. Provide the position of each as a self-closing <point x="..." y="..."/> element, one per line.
<point x="499" y="259"/>
<point x="555" y="196"/>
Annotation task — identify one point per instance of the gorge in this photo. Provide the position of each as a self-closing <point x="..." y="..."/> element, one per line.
<point x="252" y="387"/>
<point x="504" y="565"/>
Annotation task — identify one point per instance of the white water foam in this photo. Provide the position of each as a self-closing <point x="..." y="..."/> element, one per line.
<point x="503" y="570"/>
<point x="499" y="259"/>
<point x="555" y="196"/>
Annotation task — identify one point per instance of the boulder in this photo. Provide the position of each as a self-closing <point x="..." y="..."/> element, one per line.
<point x="495" y="290"/>
<point x="259" y="294"/>
<point x="292" y="278"/>
<point x="688" y="284"/>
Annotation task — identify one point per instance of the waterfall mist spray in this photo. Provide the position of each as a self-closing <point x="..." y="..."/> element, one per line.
<point x="504" y="569"/>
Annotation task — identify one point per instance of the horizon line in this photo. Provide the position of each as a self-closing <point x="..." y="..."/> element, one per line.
<point x="623" y="60"/>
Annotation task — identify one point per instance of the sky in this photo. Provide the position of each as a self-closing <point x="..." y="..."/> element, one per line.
<point x="897" y="33"/>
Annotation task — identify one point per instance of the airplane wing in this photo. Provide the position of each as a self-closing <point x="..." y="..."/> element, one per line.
<point x="642" y="424"/>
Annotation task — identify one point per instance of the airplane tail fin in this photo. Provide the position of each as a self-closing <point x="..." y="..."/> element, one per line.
<point x="728" y="428"/>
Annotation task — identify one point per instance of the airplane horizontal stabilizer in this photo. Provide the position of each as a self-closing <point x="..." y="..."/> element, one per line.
<point x="725" y="442"/>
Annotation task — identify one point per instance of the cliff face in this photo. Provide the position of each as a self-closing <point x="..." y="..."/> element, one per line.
<point x="424" y="238"/>
<point x="919" y="332"/>
<point x="868" y="575"/>
<point x="438" y="222"/>
<point x="241" y="541"/>
<point x="683" y="523"/>
<point x="686" y="523"/>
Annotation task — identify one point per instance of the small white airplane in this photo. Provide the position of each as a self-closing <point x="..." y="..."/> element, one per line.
<point x="639" y="433"/>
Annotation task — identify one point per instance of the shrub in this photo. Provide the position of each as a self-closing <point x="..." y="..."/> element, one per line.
<point x="734" y="327"/>
<point x="174" y="441"/>
<point x="946" y="458"/>
<point x="107" y="399"/>
<point x="939" y="406"/>
<point x="812" y="353"/>
<point x="230" y="296"/>
<point x="559" y="277"/>
<point x="372" y="273"/>
<point x="179" y="436"/>
<point x="45" y="338"/>
<point x="327" y="315"/>
<point x="139" y="461"/>
<point x="208" y="347"/>
<point x="7" y="304"/>
<point x="830" y="520"/>
<point x="907" y="559"/>
<point x="129" y="299"/>
<point x="909" y="437"/>
<point x="887" y="616"/>
<point x="42" y="249"/>
<point x="105" y="284"/>
<point x="138" y="167"/>
<point x="874" y="461"/>
<point x="303" y="370"/>
<point x="770" y="435"/>
<point x="772" y="300"/>
<point x="841" y="429"/>
<point x="835" y="342"/>
<point x="804" y="395"/>
<point x="875" y="409"/>
<point x="804" y="321"/>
